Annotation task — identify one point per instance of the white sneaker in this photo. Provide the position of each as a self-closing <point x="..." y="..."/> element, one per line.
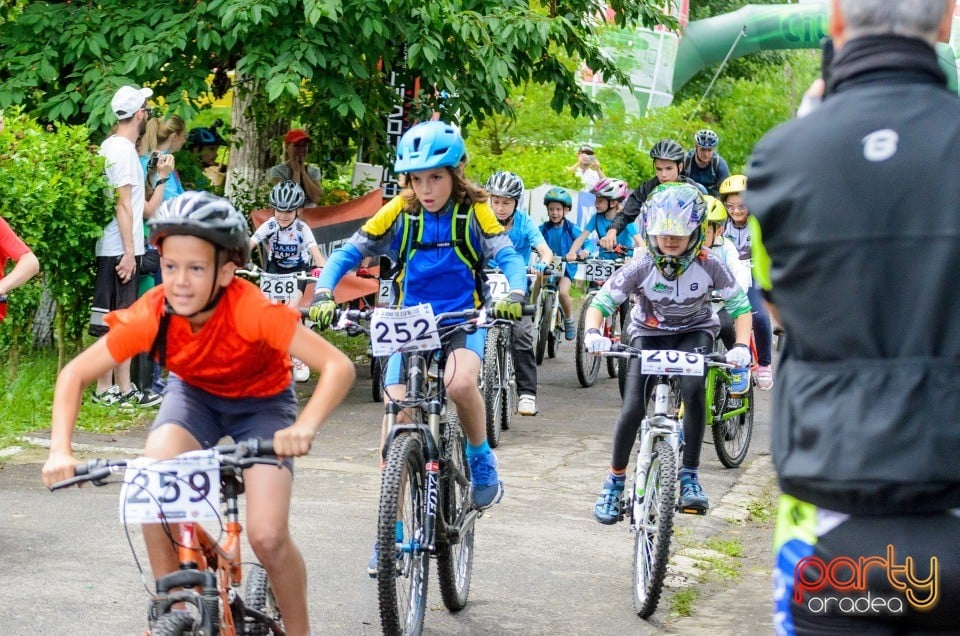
<point x="301" y="372"/>
<point x="527" y="405"/>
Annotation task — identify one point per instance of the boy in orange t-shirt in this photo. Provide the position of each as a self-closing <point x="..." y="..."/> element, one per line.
<point x="228" y="350"/>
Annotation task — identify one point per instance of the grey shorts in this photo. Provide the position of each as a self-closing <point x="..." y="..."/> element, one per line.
<point x="209" y="418"/>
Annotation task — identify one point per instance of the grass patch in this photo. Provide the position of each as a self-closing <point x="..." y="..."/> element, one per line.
<point x="354" y="346"/>
<point x="730" y="547"/>
<point x="27" y="398"/>
<point x="761" y="509"/>
<point x="681" y="604"/>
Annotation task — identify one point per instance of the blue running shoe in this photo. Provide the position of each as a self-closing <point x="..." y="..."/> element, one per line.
<point x="374" y="563"/>
<point x="569" y="328"/>
<point x="486" y="487"/>
<point x="608" y="507"/>
<point x="692" y="496"/>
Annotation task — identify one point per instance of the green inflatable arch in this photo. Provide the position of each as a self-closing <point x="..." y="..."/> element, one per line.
<point x="706" y="43"/>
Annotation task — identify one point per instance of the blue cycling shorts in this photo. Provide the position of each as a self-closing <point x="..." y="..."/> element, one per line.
<point x="393" y="374"/>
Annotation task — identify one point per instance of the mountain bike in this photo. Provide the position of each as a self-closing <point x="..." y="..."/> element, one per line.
<point x="549" y="317"/>
<point x="596" y="271"/>
<point x="655" y="494"/>
<point x="191" y="485"/>
<point x="425" y="497"/>
<point x="498" y="378"/>
<point x="729" y="415"/>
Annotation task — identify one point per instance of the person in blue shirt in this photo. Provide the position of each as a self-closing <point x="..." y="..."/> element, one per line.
<point x="560" y="233"/>
<point x="505" y="190"/>
<point x="610" y="194"/>
<point x="438" y="265"/>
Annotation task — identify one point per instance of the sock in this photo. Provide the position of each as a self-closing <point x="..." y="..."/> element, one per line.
<point x="615" y="476"/>
<point x="687" y="474"/>
<point x="482" y="449"/>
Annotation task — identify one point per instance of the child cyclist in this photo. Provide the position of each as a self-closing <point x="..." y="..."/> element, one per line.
<point x="505" y="190"/>
<point x="672" y="283"/>
<point x="560" y="233"/>
<point x="227" y="348"/>
<point x="737" y="230"/>
<point x="452" y="232"/>
<point x="290" y="243"/>
<point x="716" y="243"/>
<point x="609" y="193"/>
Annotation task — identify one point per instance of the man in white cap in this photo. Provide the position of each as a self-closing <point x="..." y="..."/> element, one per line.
<point x="121" y="246"/>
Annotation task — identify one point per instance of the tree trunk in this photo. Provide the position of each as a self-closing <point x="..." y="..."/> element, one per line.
<point x="43" y="320"/>
<point x="251" y="155"/>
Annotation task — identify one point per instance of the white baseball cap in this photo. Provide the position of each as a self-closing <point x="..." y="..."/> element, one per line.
<point x="128" y="100"/>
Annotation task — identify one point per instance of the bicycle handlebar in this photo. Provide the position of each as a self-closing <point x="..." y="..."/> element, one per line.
<point x="620" y="350"/>
<point x="256" y="272"/>
<point x="239" y="454"/>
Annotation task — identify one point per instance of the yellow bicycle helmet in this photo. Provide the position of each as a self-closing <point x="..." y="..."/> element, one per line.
<point x="733" y="184"/>
<point x="716" y="213"/>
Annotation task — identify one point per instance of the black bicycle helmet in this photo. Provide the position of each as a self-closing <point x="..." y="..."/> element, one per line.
<point x="200" y="137"/>
<point x="668" y="150"/>
<point x="505" y="184"/>
<point x="205" y="216"/>
<point x="286" y="196"/>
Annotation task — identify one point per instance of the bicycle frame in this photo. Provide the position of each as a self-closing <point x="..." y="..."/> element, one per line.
<point x="715" y="375"/>
<point x="661" y="425"/>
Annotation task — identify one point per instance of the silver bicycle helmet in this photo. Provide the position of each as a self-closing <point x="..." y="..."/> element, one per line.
<point x="668" y="150"/>
<point x="287" y="195"/>
<point x="205" y="216"/>
<point x="706" y="138"/>
<point x="505" y="184"/>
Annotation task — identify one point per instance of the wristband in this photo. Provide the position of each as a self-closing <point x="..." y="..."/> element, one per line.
<point x="161" y="181"/>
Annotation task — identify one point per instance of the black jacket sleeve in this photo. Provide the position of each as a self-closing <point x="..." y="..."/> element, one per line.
<point x="631" y="209"/>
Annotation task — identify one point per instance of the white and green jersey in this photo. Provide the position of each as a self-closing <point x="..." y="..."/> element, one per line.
<point x="672" y="306"/>
<point x="740" y="237"/>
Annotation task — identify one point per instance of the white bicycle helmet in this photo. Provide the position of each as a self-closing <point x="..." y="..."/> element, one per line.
<point x="505" y="184"/>
<point x="613" y="189"/>
<point x="287" y="195"/>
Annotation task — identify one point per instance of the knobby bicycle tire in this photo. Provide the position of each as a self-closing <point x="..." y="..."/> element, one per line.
<point x="508" y="372"/>
<point x="402" y="571"/>
<point x="588" y="365"/>
<point x="545" y="326"/>
<point x="731" y="438"/>
<point x="454" y="560"/>
<point x="173" y="624"/>
<point x="654" y="522"/>
<point x="492" y="387"/>
<point x="557" y="331"/>
<point x="376" y="378"/>
<point x="259" y="596"/>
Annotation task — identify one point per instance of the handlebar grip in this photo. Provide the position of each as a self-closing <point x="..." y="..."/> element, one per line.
<point x="529" y="310"/>
<point x="265" y="446"/>
<point x="3" y="298"/>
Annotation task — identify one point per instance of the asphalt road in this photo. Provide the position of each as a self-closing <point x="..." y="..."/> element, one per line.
<point x="542" y="566"/>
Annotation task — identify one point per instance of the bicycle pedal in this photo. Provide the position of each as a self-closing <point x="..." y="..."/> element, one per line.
<point x="692" y="511"/>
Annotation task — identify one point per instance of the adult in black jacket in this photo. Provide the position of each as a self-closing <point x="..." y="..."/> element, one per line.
<point x="667" y="157"/>
<point x="858" y="248"/>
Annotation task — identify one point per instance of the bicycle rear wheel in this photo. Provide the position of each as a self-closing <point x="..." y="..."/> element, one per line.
<point x="492" y="384"/>
<point x="403" y="560"/>
<point x="455" y="552"/>
<point x="731" y="437"/>
<point x="511" y="399"/>
<point x="618" y="322"/>
<point x="376" y="378"/>
<point x="654" y="527"/>
<point x="557" y="332"/>
<point x="259" y="596"/>
<point x="588" y="365"/>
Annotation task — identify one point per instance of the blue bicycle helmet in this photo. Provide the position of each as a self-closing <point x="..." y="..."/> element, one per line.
<point x="558" y="195"/>
<point x="706" y="138"/>
<point x="428" y="145"/>
<point x="200" y="137"/>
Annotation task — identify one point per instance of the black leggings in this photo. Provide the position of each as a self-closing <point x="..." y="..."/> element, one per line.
<point x="637" y="391"/>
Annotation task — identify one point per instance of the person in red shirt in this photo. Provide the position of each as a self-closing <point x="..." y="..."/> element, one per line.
<point x="228" y="350"/>
<point x="27" y="265"/>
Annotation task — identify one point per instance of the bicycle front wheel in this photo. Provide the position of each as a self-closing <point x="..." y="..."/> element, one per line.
<point x="588" y="365"/>
<point x="731" y="436"/>
<point x="402" y="561"/>
<point x="493" y="382"/>
<point x="259" y="596"/>
<point x="654" y="521"/>
<point x="455" y="549"/>
<point x="545" y="326"/>
<point x="173" y="624"/>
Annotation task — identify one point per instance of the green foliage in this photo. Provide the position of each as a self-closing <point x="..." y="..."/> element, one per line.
<point x="52" y="192"/>
<point x="319" y="61"/>
<point x="27" y="396"/>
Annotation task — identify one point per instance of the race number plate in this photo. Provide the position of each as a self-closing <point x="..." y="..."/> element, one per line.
<point x="497" y="285"/>
<point x="598" y="270"/>
<point x="279" y="288"/>
<point x="387" y="294"/>
<point x="405" y="329"/>
<point x="185" y="488"/>
<point x="669" y="362"/>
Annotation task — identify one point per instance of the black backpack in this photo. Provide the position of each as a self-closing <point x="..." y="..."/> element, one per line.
<point x="714" y="165"/>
